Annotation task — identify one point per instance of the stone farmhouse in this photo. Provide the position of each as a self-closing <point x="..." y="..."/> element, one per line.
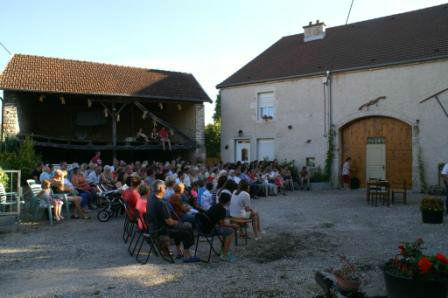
<point x="378" y="89"/>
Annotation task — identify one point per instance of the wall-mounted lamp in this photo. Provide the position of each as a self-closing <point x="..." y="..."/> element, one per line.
<point x="240" y="133"/>
<point x="290" y="126"/>
<point x="226" y="147"/>
<point x="62" y="100"/>
<point x="416" y="127"/>
<point x="41" y="98"/>
<point x="308" y="141"/>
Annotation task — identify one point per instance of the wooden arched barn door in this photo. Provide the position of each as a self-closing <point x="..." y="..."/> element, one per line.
<point x="368" y="140"/>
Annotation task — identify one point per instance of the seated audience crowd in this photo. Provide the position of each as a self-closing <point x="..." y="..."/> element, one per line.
<point x="174" y="194"/>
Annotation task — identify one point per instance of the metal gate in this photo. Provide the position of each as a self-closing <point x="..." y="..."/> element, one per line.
<point x="10" y="194"/>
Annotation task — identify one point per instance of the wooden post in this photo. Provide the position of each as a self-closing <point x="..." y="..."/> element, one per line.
<point x="114" y="131"/>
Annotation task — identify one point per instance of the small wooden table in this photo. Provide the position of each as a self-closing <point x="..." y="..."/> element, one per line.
<point x="378" y="189"/>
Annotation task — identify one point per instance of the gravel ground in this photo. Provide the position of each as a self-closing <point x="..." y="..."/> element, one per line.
<point x="305" y="232"/>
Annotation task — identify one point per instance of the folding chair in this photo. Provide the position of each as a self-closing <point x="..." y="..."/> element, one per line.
<point x="243" y="223"/>
<point x="140" y="208"/>
<point x="145" y="235"/>
<point x="403" y="191"/>
<point x="129" y="223"/>
<point x="290" y="184"/>
<point x="206" y="231"/>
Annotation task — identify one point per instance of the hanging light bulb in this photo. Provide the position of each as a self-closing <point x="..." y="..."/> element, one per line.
<point x="62" y="100"/>
<point x="105" y="113"/>
<point x="145" y="114"/>
<point x="179" y="107"/>
<point x="161" y="105"/>
<point x="89" y="103"/>
<point x="118" y="118"/>
<point x="41" y="98"/>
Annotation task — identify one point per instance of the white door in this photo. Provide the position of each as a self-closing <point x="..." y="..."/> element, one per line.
<point x="265" y="149"/>
<point x="242" y="150"/>
<point x="376" y="161"/>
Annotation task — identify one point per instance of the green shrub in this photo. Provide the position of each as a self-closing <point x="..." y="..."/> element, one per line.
<point x="3" y="177"/>
<point x="431" y="203"/>
<point x="10" y="144"/>
<point x="318" y="176"/>
<point x="292" y="168"/>
<point x="23" y="158"/>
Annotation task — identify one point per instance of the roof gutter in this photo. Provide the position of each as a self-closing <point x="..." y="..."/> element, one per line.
<point x="113" y="95"/>
<point x="322" y="73"/>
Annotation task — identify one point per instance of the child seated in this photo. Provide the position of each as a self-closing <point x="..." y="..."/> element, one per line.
<point x="206" y="198"/>
<point x="217" y="215"/>
<point x="46" y="197"/>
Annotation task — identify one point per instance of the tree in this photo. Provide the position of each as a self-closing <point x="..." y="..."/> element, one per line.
<point x="21" y="157"/>
<point x="217" y="114"/>
<point x="213" y="139"/>
<point x="213" y="132"/>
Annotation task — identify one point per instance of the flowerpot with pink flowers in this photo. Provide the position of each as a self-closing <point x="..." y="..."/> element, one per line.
<point x="348" y="278"/>
<point x="412" y="274"/>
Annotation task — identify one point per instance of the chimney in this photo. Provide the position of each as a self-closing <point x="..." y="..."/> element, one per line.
<point x="314" y="31"/>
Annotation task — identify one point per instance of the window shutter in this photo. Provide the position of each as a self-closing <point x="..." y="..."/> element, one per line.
<point x="266" y="99"/>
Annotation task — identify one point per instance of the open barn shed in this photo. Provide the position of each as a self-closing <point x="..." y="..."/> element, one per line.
<point x="73" y="108"/>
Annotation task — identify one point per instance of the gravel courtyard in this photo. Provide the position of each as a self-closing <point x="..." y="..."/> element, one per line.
<point x="305" y="232"/>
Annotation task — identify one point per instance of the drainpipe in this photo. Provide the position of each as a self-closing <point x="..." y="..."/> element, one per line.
<point x="324" y="85"/>
<point x="330" y="99"/>
<point x="328" y="102"/>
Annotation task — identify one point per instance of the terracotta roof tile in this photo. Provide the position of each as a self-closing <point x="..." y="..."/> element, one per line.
<point x="412" y="36"/>
<point x="36" y="73"/>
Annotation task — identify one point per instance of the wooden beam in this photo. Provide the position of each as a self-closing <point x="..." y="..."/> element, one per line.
<point x="114" y="131"/>
<point x="163" y="122"/>
<point x="110" y="146"/>
<point x="434" y="95"/>
<point x="441" y="105"/>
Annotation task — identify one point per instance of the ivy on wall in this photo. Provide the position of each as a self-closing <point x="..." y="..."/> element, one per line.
<point x="421" y="171"/>
<point x="330" y="156"/>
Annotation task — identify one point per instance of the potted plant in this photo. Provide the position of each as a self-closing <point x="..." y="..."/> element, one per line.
<point x="348" y="277"/>
<point x="411" y="274"/>
<point x="266" y="118"/>
<point x="318" y="180"/>
<point x="432" y="209"/>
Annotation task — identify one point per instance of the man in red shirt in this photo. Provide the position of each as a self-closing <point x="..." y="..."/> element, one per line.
<point x="131" y="196"/>
<point x="97" y="158"/>
<point x="165" y="138"/>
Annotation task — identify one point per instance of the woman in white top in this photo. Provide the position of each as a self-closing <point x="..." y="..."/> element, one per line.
<point x="240" y="207"/>
<point x="346" y="173"/>
<point x="445" y="180"/>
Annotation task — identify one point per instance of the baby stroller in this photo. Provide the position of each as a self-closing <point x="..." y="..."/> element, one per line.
<point x="113" y="205"/>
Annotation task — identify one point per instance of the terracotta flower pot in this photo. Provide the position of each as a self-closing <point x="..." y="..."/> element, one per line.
<point x="347" y="285"/>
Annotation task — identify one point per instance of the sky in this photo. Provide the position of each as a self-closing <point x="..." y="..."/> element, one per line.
<point x="208" y="38"/>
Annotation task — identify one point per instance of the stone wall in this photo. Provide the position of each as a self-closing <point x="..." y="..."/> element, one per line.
<point x="10" y="116"/>
<point x="199" y="131"/>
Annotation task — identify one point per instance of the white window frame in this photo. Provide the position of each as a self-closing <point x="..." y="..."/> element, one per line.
<point x="269" y="107"/>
